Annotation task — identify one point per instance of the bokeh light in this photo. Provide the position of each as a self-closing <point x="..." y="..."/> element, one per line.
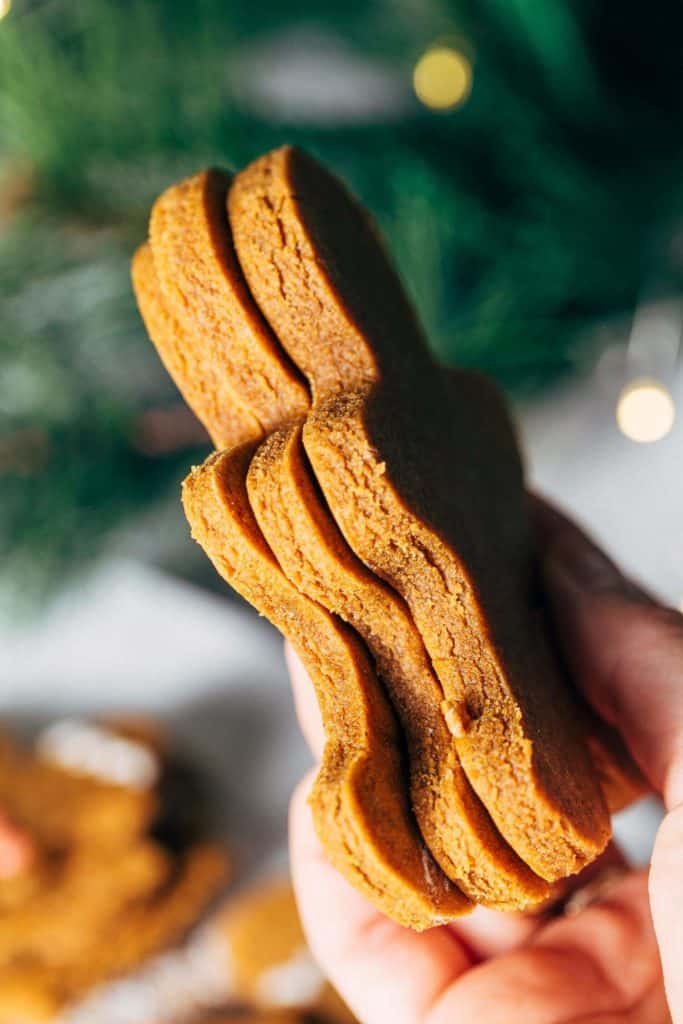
<point x="645" y="411"/>
<point x="5" y="6"/>
<point x="442" y="78"/>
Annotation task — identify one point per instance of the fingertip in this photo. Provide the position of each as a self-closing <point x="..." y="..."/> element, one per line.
<point x="591" y="966"/>
<point x="666" y="897"/>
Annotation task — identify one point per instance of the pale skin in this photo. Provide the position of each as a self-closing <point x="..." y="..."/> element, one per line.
<point x="619" y="960"/>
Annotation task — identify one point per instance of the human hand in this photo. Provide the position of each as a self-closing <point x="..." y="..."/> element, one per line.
<point x="600" y="965"/>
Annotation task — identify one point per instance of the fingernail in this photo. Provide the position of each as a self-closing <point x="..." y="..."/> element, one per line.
<point x="594" y="891"/>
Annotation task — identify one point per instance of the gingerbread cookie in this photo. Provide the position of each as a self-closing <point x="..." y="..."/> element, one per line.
<point x="424" y="528"/>
<point x="271" y="965"/>
<point x="248" y="960"/>
<point x="359" y="801"/>
<point x="379" y="438"/>
<point x="204" y="387"/>
<point x="82" y="859"/>
<point x="315" y="556"/>
<point x="202" y="287"/>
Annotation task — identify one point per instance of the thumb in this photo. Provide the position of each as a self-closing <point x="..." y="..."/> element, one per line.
<point x="624" y="649"/>
<point x="626" y="654"/>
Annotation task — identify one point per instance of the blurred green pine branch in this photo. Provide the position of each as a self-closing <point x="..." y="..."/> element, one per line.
<point x="517" y="221"/>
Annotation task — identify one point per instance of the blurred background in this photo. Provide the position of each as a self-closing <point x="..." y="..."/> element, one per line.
<point x="524" y="160"/>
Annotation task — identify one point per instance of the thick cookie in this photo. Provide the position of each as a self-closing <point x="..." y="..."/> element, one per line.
<point x="201" y="380"/>
<point x="320" y="276"/>
<point x="359" y="800"/>
<point x="191" y="364"/>
<point x="425" y="492"/>
<point x="203" y="289"/>
<point x="315" y="556"/>
<point x="427" y="457"/>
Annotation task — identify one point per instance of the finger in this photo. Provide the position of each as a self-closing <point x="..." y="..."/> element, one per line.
<point x="653" y="1009"/>
<point x="384" y="972"/>
<point x="485" y="932"/>
<point x="488" y="933"/>
<point x="666" y="895"/>
<point x="305" y="703"/>
<point x="627" y="654"/>
<point x="603" y="961"/>
<point x="625" y="650"/>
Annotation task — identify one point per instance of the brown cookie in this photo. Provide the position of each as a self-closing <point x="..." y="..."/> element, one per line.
<point x="191" y="362"/>
<point x="203" y="289"/>
<point x="359" y="799"/>
<point x="90" y="868"/>
<point x="150" y="924"/>
<point x="320" y="276"/>
<point x="29" y="993"/>
<point x="65" y="922"/>
<point x="60" y="809"/>
<point x="315" y="557"/>
<point x="199" y="377"/>
<point x="270" y="963"/>
<point x="421" y="473"/>
<point x="426" y="489"/>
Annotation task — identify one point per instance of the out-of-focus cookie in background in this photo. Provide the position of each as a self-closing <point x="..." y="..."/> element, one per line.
<point x="248" y="956"/>
<point x="116" y="902"/>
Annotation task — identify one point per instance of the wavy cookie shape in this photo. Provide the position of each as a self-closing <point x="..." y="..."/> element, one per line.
<point x="379" y="438"/>
<point x="359" y="799"/>
<point x="420" y="470"/>
<point x="315" y="556"/>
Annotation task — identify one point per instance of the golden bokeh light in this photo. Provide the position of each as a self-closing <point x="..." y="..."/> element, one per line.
<point x="5" y="6"/>
<point x="645" y="411"/>
<point x="442" y="78"/>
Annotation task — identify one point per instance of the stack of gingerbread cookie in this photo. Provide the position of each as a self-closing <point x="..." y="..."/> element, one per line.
<point x="371" y="505"/>
<point x="100" y="864"/>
